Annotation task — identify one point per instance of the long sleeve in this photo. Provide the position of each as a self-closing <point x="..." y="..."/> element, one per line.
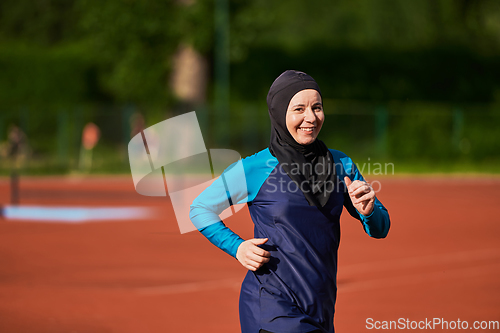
<point x="222" y="237"/>
<point x="376" y="224"/>
<point x="206" y="209"/>
<point x="238" y="184"/>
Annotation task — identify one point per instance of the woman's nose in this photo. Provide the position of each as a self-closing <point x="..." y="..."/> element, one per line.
<point x="309" y="115"/>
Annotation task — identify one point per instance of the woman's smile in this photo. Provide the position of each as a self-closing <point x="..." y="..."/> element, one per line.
<point x="307" y="129"/>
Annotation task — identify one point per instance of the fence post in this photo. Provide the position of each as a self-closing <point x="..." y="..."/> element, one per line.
<point x="127" y="113"/>
<point x="78" y="121"/>
<point x="221" y="112"/>
<point x="24" y="121"/>
<point x="62" y="137"/>
<point x="249" y="129"/>
<point x="381" y="125"/>
<point x="2" y="127"/>
<point x="202" y="112"/>
<point x="457" y="128"/>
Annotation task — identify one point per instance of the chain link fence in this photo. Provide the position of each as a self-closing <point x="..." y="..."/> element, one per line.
<point x="429" y="135"/>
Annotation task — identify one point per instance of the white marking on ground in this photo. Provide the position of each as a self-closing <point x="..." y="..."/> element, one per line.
<point x="191" y="287"/>
<point x="73" y="214"/>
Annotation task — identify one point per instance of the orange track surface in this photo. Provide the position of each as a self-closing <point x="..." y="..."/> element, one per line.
<point x="440" y="260"/>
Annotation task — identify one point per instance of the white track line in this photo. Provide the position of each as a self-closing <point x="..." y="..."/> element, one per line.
<point x="190" y="287"/>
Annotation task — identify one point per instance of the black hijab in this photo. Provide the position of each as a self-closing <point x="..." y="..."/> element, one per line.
<point x="311" y="166"/>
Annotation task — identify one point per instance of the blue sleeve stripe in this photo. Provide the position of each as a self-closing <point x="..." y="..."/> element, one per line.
<point x="377" y="224"/>
<point x="222" y="237"/>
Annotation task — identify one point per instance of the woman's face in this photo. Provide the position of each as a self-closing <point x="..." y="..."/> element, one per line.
<point x="304" y="116"/>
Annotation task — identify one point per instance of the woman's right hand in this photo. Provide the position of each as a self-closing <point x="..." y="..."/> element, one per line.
<point x="250" y="255"/>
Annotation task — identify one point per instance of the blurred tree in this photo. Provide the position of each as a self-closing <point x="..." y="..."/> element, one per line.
<point x="189" y="73"/>
<point x="43" y="22"/>
<point x="379" y="50"/>
<point x="391" y="24"/>
<point x="55" y="54"/>
<point x="134" y="45"/>
<point x="132" y="41"/>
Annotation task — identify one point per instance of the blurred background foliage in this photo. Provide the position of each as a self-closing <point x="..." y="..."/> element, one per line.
<point x="414" y="83"/>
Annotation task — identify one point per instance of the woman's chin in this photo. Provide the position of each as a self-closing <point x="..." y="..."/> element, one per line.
<point x="305" y="141"/>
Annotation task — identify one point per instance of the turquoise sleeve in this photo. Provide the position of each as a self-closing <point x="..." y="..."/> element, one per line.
<point x="222" y="237"/>
<point x="238" y="184"/>
<point x="376" y="224"/>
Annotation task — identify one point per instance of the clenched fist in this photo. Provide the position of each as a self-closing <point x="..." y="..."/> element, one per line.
<point x="362" y="195"/>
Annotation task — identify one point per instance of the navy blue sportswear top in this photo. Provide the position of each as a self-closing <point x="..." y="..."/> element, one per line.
<point x="296" y="290"/>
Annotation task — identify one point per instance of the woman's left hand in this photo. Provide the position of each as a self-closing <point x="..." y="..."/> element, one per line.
<point x="362" y="195"/>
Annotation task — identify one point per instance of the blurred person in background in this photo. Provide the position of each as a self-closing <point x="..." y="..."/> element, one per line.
<point x="295" y="190"/>
<point x="16" y="148"/>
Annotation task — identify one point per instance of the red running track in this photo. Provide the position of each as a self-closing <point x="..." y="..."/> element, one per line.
<point x="440" y="260"/>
